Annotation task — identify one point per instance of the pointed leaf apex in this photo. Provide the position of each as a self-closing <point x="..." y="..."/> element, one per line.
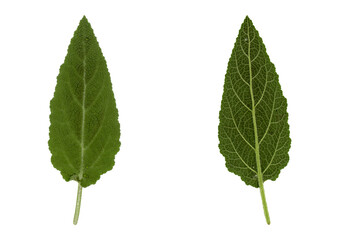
<point x="84" y="20"/>
<point x="247" y="19"/>
<point x="248" y="22"/>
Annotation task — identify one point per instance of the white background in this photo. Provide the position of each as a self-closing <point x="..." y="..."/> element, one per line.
<point x="167" y="61"/>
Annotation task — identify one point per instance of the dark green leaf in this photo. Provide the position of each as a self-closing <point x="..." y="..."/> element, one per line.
<point x="253" y="130"/>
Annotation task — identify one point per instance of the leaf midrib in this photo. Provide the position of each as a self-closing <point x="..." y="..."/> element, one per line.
<point x="257" y="151"/>
<point x="83" y="114"/>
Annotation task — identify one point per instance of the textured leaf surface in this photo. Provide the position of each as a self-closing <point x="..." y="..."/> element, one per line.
<point x="84" y="130"/>
<point x="252" y="93"/>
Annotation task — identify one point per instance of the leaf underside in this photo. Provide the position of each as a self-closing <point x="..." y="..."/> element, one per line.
<point x="249" y="68"/>
<point x="84" y="130"/>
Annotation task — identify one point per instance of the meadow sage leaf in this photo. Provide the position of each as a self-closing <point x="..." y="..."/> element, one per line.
<point x="84" y="131"/>
<point x="253" y="130"/>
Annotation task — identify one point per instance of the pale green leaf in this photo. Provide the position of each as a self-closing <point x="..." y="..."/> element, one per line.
<point x="84" y="130"/>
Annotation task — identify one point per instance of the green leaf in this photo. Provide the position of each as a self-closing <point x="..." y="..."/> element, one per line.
<point x="84" y="131"/>
<point x="253" y="130"/>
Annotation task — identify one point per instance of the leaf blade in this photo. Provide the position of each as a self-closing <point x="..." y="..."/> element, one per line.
<point x="236" y="130"/>
<point x="84" y="130"/>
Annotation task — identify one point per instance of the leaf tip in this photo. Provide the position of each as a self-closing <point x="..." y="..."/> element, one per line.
<point x="247" y="19"/>
<point x="84" y="20"/>
<point x="248" y="22"/>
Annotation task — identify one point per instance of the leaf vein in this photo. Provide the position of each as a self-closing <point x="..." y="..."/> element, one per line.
<point x="101" y="152"/>
<point x="240" y="156"/>
<point x="237" y="67"/>
<point x="242" y="136"/>
<point x="270" y="121"/>
<point x="273" y="153"/>
<point x="236" y="94"/>
<point x="98" y="130"/>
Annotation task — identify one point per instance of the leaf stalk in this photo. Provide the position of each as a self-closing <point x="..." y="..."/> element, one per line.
<point x="263" y="198"/>
<point x="77" y="205"/>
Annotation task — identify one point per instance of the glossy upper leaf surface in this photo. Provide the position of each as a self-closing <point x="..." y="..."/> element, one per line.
<point x="250" y="69"/>
<point x="84" y="130"/>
